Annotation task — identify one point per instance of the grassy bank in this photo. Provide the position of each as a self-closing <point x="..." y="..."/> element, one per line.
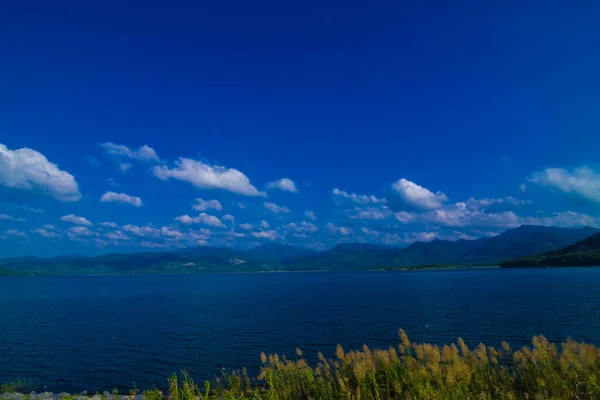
<point x="569" y="370"/>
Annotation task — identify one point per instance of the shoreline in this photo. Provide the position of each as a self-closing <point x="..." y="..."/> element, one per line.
<point x="404" y="370"/>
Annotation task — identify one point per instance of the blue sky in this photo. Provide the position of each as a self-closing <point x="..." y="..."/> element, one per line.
<point x="128" y="126"/>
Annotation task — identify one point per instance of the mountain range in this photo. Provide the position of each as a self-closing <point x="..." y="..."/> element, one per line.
<point x="526" y="240"/>
<point x="583" y="253"/>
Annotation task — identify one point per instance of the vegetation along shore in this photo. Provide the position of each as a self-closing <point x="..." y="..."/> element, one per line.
<point x="545" y="370"/>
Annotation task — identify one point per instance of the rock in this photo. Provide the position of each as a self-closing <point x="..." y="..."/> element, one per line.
<point x="44" y="396"/>
<point x="96" y="397"/>
<point x="139" y="397"/>
<point x="61" y="396"/>
<point x="123" y="398"/>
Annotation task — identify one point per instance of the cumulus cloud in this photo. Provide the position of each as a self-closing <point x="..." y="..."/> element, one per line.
<point x="116" y="235"/>
<point x="27" y="169"/>
<point x="229" y="217"/>
<point x="405" y="217"/>
<point x="144" y="153"/>
<point x="121" y="198"/>
<point x="79" y="232"/>
<point x="460" y="215"/>
<point x="203" y="205"/>
<point x="342" y="230"/>
<point x="205" y="176"/>
<point x="566" y="219"/>
<point x="170" y="233"/>
<point x="264" y="224"/>
<point x="285" y="184"/>
<point x="368" y="231"/>
<point x="275" y="209"/>
<point x="421" y="237"/>
<point x="142" y="231"/>
<point x="413" y="195"/>
<point x="301" y="227"/>
<point x="73" y="219"/>
<point x="247" y="227"/>
<point x="109" y="224"/>
<point x="310" y="215"/>
<point x="582" y="182"/>
<point x="358" y="198"/>
<point x="15" y="233"/>
<point x="202" y="218"/>
<point x="496" y="204"/>
<point x="369" y="213"/>
<point x="45" y="233"/>
<point x="7" y="217"/>
<point x="270" y="235"/>
<point x="49" y="227"/>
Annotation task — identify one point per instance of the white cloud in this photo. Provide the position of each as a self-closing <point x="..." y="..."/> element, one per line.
<point x="358" y="198"/>
<point x="108" y="224"/>
<point x="368" y="231"/>
<point x="459" y="215"/>
<point x="405" y="217"/>
<point x="421" y="237"/>
<point x="566" y="219"/>
<point x="205" y="176"/>
<point x="369" y="213"/>
<point x="153" y="245"/>
<point x="235" y="234"/>
<point x="144" y="153"/>
<point x="203" y="218"/>
<point x="122" y="198"/>
<point x="275" y="209"/>
<point x="7" y="217"/>
<point x="142" y="231"/>
<point x="203" y="205"/>
<point x="116" y="235"/>
<point x="310" y="215"/>
<point x="285" y="184"/>
<point x="247" y="227"/>
<point x="78" y="232"/>
<point x="501" y="201"/>
<point x="229" y="217"/>
<point x="185" y="219"/>
<point x="342" y="230"/>
<point x="264" y="224"/>
<point x="73" y="219"/>
<point x="15" y="233"/>
<point x="171" y="233"/>
<point x="45" y="233"/>
<point x="270" y="235"/>
<point x="522" y="187"/>
<point x="418" y="196"/>
<point x="49" y="227"/>
<point x="301" y="227"/>
<point x="27" y="169"/>
<point x="582" y="182"/>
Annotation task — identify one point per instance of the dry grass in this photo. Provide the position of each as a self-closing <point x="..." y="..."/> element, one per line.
<point x="545" y="370"/>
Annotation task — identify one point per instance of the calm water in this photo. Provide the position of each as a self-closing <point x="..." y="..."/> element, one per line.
<point x="96" y="333"/>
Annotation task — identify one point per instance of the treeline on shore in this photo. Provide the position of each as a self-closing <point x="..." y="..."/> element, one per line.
<point x="569" y="370"/>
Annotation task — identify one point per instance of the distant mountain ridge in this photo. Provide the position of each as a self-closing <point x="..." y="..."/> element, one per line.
<point x="581" y="254"/>
<point x="526" y="240"/>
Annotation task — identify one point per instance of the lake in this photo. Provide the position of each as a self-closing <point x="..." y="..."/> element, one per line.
<point x="100" y="332"/>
